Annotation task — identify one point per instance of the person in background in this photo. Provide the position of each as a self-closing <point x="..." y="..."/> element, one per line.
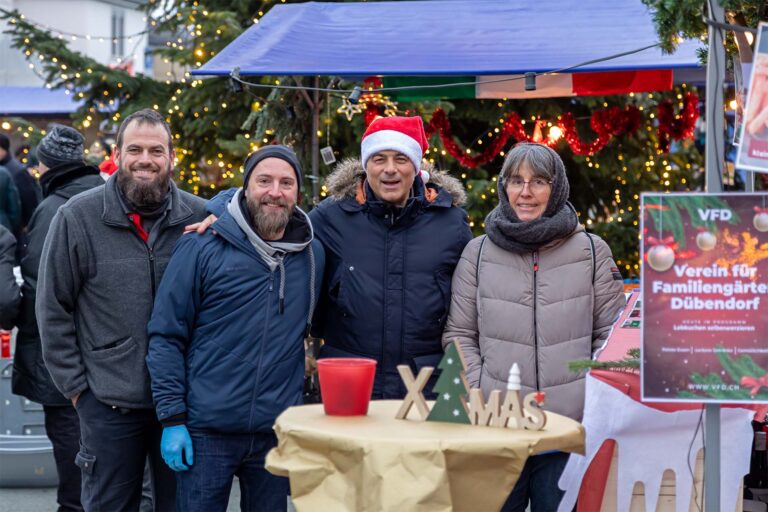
<point x="536" y="290"/>
<point x="102" y="261"/>
<point x="63" y="174"/>
<point x="28" y="189"/>
<point x="10" y="297"/>
<point x="101" y="153"/>
<point x="10" y="205"/>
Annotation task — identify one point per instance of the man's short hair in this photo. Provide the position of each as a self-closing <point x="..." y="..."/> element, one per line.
<point x="143" y="116"/>
<point x="5" y="142"/>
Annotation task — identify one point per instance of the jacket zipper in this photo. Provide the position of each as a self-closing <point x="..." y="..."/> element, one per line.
<point x="260" y="361"/>
<point x="535" y="333"/>
<point x="152" y="268"/>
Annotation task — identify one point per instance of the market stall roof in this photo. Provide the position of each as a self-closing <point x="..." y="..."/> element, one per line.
<point x="19" y="101"/>
<point x="449" y="38"/>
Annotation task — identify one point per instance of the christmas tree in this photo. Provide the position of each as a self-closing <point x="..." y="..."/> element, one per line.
<point x="216" y="126"/>
<point x="451" y="388"/>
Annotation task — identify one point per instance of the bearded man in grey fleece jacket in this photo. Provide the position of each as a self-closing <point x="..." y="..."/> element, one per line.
<point x="102" y="261"/>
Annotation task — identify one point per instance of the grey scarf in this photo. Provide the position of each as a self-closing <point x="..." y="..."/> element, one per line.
<point x="559" y="220"/>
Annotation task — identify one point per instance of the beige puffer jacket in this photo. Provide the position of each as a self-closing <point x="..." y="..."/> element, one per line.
<point x="541" y="320"/>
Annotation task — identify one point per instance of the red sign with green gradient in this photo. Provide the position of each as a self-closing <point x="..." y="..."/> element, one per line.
<point x="705" y="297"/>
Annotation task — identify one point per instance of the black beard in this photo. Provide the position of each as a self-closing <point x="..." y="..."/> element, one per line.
<point x="144" y="194"/>
<point x="269" y="224"/>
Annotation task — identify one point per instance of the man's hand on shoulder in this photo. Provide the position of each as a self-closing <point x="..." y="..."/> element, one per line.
<point x="202" y="226"/>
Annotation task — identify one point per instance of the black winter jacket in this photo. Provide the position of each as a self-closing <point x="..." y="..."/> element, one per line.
<point x="387" y="285"/>
<point x="29" y="191"/>
<point x="9" y="290"/>
<point x="30" y="376"/>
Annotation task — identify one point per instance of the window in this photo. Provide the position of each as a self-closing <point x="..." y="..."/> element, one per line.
<point x="118" y="33"/>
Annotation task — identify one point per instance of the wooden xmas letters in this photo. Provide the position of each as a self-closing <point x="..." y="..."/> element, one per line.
<point x="512" y="413"/>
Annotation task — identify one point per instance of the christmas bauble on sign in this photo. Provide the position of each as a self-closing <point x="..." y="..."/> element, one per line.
<point x="661" y="258"/>
<point x="760" y="221"/>
<point x="706" y="241"/>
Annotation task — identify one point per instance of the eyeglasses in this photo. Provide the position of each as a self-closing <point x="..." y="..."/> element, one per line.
<point x="535" y="185"/>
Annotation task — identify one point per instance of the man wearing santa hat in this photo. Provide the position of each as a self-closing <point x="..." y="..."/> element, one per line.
<point x="393" y="234"/>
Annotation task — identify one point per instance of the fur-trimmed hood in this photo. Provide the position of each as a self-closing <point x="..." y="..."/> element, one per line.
<point x="344" y="180"/>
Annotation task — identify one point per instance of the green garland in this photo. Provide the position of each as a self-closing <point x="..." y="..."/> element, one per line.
<point x="630" y="363"/>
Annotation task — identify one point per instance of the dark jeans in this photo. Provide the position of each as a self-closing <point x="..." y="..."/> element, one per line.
<point x="538" y="483"/>
<point x="63" y="429"/>
<point x="217" y="458"/>
<point x="115" y="444"/>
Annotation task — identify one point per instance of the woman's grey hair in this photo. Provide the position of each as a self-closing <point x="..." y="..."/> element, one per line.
<point x="542" y="160"/>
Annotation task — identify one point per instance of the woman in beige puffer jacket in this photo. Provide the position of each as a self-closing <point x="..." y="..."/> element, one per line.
<point x="536" y="290"/>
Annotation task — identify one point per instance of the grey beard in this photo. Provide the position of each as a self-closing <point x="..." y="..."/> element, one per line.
<point x="268" y="224"/>
<point x="144" y="194"/>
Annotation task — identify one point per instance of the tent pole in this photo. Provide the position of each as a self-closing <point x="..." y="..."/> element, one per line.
<point x="715" y="152"/>
<point x="316" y="142"/>
<point x="715" y="134"/>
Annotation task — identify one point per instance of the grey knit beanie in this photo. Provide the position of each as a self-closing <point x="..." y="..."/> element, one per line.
<point x="60" y="145"/>
<point x="272" y="151"/>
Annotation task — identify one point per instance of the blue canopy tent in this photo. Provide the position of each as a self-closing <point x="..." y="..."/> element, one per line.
<point x="35" y="101"/>
<point x="484" y="44"/>
<point x="449" y="38"/>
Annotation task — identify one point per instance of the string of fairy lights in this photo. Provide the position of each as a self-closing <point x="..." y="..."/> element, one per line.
<point x="190" y="45"/>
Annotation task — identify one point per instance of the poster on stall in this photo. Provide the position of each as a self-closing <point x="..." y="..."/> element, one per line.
<point x="704" y="322"/>
<point x="753" y="149"/>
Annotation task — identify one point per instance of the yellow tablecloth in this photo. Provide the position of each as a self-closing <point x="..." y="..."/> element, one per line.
<point x="375" y="462"/>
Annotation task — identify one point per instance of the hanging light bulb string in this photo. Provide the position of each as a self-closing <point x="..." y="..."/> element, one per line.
<point x="454" y="84"/>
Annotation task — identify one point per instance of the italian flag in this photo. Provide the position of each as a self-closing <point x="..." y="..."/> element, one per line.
<point x="547" y="86"/>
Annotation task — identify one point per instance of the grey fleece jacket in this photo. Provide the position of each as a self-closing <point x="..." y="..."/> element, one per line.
<point x="96" y="288"/>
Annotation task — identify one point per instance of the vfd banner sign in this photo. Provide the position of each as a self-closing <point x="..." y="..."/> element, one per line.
<point x="705" y="297"/>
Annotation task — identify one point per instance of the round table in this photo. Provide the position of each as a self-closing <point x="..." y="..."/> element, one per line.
<point x="377" y="462"/>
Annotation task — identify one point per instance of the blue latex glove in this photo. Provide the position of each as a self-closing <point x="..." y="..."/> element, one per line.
<point x="174" y="442"/>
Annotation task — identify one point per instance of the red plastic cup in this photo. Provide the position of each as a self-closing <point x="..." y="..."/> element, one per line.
<point x="346" y="385"/>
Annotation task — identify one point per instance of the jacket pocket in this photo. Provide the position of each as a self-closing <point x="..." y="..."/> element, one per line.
<point x="118" y="372"/>
<point x="338" y="289"/>
<point x="113" y="349"/>
<point x="442" y="278"/>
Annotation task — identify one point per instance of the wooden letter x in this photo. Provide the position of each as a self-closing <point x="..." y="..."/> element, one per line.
<point x="414" y="387"/>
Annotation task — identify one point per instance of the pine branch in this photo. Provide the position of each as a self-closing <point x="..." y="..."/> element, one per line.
<point x="630" y="363"/>
<point x="100" y="88"/>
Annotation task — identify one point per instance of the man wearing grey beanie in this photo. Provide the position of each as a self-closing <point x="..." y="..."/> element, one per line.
<point x="63" y="174"/>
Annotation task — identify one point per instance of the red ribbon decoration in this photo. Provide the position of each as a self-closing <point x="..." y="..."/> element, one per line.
<point x="511" y="127"/>
<point x="760" y="210"/>
<point x="755" y="383"/>
<point x="607" y="124"/>
<point x="677" y="127"/>
<point x="670" y="241"/>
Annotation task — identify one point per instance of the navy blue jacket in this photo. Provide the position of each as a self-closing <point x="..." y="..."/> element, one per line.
<point x="387" y="284"/>
<point x="220" y="350"/>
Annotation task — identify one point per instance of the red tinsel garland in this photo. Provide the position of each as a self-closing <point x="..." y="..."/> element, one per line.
<point x="511" y="127"/>
<point x="677" y="127"/>
<point x="606" y="123"/>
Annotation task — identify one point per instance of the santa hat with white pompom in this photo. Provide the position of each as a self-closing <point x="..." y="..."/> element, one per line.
<point x="402" y="134"/>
